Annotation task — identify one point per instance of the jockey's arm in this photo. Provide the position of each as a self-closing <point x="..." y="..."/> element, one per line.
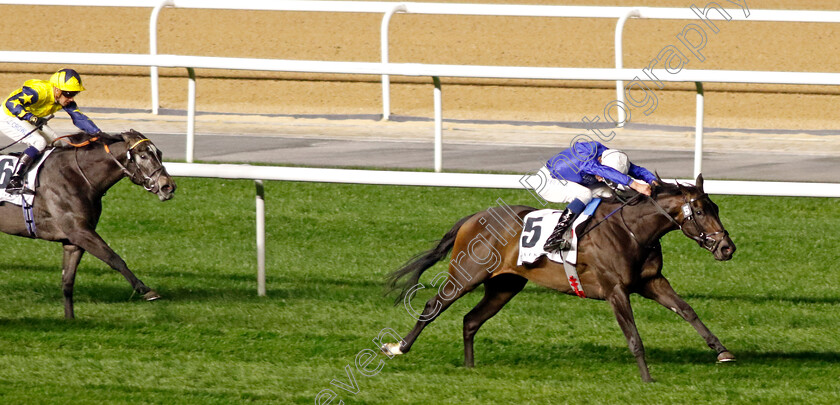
<point x="80" y="120"/>
<point x="605" y="172"/>
<point x="641" y="187"/>
<point x="639" y="172"/>
<point x="17" y="103"/>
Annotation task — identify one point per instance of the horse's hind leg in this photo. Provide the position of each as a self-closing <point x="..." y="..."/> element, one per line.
<point x="434" y="307"/>
<point x="497" y="292"/>
<point x="660" y="290"/>
<point x="90" y="241"/>
<point x="72" y="256"/>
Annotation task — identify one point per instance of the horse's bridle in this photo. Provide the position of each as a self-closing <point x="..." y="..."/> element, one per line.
<point x="150" y="180"/>
<point x="702" y="238"/>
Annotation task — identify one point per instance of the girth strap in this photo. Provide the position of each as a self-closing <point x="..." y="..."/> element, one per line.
<point x="29" y="218"/>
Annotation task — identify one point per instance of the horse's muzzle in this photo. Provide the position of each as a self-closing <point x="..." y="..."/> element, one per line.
<point x="165" y="187"/>
<point x="724" y="249"/>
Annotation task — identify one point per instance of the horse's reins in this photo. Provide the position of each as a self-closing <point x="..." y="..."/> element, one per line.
<point x="148" y="182"/>
<point x="702" y="238"/>
<point x="624" y="204"/>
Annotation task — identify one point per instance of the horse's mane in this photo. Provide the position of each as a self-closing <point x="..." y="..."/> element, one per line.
<point x="81" y="137"/>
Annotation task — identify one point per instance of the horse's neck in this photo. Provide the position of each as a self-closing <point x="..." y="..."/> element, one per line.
<point x="100" y="168"/>
<point x="649" y="223"/>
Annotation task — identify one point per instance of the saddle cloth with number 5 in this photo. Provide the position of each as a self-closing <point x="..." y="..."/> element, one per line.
<point x="538" y="227"/>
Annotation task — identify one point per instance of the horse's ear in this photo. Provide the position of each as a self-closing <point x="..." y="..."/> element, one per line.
<point x="699" y="182"/>
<point x="682" y="188"/>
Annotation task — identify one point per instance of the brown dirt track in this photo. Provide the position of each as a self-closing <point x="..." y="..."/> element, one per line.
<point x="438" y="39"/>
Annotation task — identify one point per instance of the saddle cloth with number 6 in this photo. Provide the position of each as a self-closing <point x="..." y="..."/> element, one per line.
<point x="538" y="227"/>
<point x="7" y="167"/>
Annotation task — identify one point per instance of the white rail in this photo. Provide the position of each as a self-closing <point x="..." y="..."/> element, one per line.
<point x="470" y="180"/>
<point x="430" y="70"/>
<point x="389" y="8"/>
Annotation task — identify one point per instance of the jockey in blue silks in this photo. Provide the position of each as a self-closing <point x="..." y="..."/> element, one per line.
<point x="579" y="173"/>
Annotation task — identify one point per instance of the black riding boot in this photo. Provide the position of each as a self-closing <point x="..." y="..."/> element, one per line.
<point x="15" y="185"/>
<point x="555" y="242"/>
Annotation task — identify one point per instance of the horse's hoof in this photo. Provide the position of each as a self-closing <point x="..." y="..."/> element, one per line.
<point x="725" y="357"/>
<point x="151" y="295"/>
<point x="391" y="349"/>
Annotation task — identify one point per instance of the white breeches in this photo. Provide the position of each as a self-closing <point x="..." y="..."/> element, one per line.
<point x="16" y="129"/>
<point x="554" y="190"/>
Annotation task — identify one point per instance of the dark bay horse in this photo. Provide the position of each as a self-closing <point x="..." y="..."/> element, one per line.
<point x="68" y="201"/>
<point x="620" y="256"/>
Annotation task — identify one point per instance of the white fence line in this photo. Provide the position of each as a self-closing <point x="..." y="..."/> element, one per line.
<point x="469" y="180"/>
<point x="416" y="69"/>
<point x="508" y="10"/>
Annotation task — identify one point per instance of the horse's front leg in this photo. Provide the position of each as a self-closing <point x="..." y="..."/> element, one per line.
<point x="90" y="241"/>
<point x="620" y="301"/>
<point x="660" y="290"/>
<point x="72" y="256"/>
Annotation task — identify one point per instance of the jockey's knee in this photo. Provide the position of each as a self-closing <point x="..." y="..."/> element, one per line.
<point x="577" y="206"/>
<point x="38" y="143"/>
<point x="584" y="196"/>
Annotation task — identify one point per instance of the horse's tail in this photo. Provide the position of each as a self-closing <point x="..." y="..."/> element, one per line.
<point x="422" y="261"/>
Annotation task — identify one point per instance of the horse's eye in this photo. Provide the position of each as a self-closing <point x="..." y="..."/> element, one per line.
<point x="143" y="156"/>
<point x="698" y="212"/>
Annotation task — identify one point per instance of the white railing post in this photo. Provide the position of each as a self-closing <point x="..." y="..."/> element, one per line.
<point x="153" y="20"/>
<point x="619" y="61"/>
<point x="191" y="116"/>
<point x="438" y="126"/>
<point x="386" y="80"/>
<point x="260" y="238"/>
<point x="698" y="132"/>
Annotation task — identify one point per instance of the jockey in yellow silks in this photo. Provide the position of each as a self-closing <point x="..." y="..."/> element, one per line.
<point x="27" y="109"/>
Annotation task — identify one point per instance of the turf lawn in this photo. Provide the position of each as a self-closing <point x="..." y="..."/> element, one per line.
<point x="211" y="340"/>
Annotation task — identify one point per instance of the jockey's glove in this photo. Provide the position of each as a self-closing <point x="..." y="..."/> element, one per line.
<point x="38" y="122"/>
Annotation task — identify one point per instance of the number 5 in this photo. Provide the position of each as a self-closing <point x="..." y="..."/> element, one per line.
<point x="531" y="226"/>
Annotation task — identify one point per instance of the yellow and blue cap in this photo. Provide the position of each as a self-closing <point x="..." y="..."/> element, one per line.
<point x="67" y="80"/>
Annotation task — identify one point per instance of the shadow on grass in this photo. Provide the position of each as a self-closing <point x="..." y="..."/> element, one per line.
<point x="59" y="324"/>
<point x="558" y="355"/>
<point x="765" y="298"/>
<point x="27" y="268"/>
<point x="770" y="357"/>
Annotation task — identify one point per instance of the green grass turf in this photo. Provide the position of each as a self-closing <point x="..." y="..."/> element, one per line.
<point x="211" y="340"/>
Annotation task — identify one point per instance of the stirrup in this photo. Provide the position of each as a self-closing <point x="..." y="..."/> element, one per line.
<point x="17" y="187"/>
<point x="19" y="190"/>
<point x="556" y="246"/>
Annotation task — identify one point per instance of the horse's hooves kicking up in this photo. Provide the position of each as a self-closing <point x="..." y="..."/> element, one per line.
<point x="151" y="295"/>
<point x="391" y="349"/>
<point x="725" y="357"/>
